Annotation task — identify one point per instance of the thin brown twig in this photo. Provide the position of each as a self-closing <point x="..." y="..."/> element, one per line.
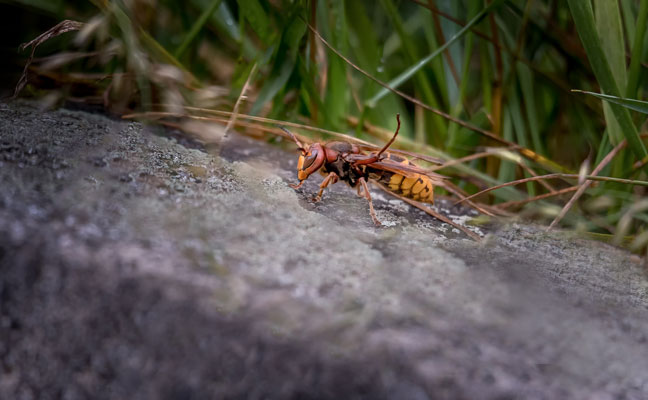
<point x="59" y="29"/>
<point x="163" y="114"/>
<point x="106" y="94"/>
<point x="240" y="99"/>
<point x="354" y="92"/>
<point x="433" y="213"/>
<point x="486" y="154"/>
<point x="605" y="161"/>
<point x="166" y="114"/>
<point x="249" y="125"/>
<point x="558" y="176"/>
<point x="449" y="17"/>
<point x="640" y="164"/>
<point x="498" y="93"/>
<point x="450" y="187"/>
<point x="74" y="77"/>
<point x="461" y="160"/>
<point x="451" y="64"/>
<point x="513" y="183"/>
<point x="516" y="203"/>
<point x="533" y="173"/>
<point x="441" y="38"/>
<point x="383" y="134"/>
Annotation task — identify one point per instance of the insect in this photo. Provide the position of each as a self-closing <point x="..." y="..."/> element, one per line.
<point x="344" y="161"/>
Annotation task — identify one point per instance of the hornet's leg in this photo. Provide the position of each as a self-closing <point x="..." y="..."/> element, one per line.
<point x="363" y="182"/>
<point x="331" y="178"/>
<point x="292" y="185"/>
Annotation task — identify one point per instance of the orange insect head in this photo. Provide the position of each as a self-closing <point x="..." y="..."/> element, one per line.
<point x="311" y="161"/>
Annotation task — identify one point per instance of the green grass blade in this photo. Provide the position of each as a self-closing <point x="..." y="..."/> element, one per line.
<point x="225" y="23"/>
<point x="610" y="32"/>
<point x="608" y="25"/>
<point x="284" y="63"/>
<point x="455" y="135"/>
<point x="368" y="52"/>
<point x="196" y="27"/>
<point x="597" y="178"/>
<point x="396" y="82"/>
<point x="435" y="69"/>
<point x="628" y="19"/>
<point x="486" y="85"/>
<point x="506" y="168"/>
<point x="632" y="104"/>
<point x="337" y="87"/>
<point x="225" y="20"/>
<point x="257" y="17"/>
<point x="160" y="53"/>
<point x="637" y="51"/>
<point x="422" y="81"/>
<point x="525" y="78"/>
<point x="584" y="19"/>
<point x="280" y="74"/>
<point x="308" y="89"/>
<point x="515" y="111"/>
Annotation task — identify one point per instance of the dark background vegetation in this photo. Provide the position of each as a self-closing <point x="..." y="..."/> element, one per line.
<point x="510" y="75"/>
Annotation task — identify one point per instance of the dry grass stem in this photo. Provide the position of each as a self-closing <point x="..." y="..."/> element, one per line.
<point x="59" y="29"/>
<point x="581" y="189"/>
<point x="240" y="100"/>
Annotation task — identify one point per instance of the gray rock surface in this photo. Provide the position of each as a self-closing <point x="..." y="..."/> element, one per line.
<point x="134" y="265"/>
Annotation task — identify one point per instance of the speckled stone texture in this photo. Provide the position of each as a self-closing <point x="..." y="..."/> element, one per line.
<point x="134" y="264"/>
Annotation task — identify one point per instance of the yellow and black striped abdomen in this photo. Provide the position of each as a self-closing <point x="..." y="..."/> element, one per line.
<point x="418" y="188"/>
<point x="414" y="186"/>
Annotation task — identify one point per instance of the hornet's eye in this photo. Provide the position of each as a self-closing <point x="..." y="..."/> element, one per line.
<point x="308" y="159"/>
<point x="311" y="161"/>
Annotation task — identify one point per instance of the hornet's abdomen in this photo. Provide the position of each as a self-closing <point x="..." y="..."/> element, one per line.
<point x="416" y="187"/>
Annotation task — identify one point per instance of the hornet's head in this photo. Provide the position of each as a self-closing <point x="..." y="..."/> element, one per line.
<point x="310" y="160"/>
